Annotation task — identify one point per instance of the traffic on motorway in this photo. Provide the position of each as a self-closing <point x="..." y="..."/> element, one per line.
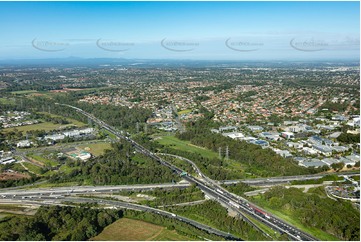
<point x="239" y="204"/>
<point x="59" y="200"/>
<point x="286" y="179"/>
<point x="87" y="189"/>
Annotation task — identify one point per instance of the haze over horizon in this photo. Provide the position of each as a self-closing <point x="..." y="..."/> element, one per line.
<point x="258" y="31"/>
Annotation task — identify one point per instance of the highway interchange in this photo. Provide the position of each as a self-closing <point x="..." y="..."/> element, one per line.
<point x="211" y="188"/>
<point x="59" y="200"/>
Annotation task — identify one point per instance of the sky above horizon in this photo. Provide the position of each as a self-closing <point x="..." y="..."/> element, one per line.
<point x="181" y="30"/>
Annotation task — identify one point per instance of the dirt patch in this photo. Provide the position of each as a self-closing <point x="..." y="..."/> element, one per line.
<point x="12" y="176"/>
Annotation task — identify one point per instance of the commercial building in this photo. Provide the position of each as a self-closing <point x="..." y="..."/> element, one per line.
<point x="7" y="160"/>
<point x="228" y="128"/>
<point x="274" y="136"/>
<point x="283" y="153"/>
<point x="330" y="161"/>
<point x="255" y="128"/>
<point x="295" y="145"/>
<point x="24" y="144"/>
<point x="259" y="142"/>
<point x="347" y="161"/>
<point x="316" y="140"/>
<point x="323" y="149"/>
<point x="234" y="135"/>
<point x="312" y="163"/>
<point x="288" y="135"/>
<point x="54" y="137"/>
<point x="309" y="151"/>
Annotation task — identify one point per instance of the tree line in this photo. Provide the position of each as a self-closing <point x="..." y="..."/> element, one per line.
<point x="349" y="138"/>
<point x="118" y="116"/>
<point x="316" y="210"/>
<point x="215" y="215"/>
<point x="174" y="196"/>
<point x="120" y="165"/>
<point x="172" y="224"/>
<point x="58" y="223"/>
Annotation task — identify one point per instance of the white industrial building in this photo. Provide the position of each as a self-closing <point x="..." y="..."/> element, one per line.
<point x="234" y="135"/>
<point x="24" y="144"/>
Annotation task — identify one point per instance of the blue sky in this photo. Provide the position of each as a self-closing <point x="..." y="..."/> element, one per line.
<point x="181" y="30"/>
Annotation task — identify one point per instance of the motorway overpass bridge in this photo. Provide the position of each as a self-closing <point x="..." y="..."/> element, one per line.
<point x="286" y="179"/>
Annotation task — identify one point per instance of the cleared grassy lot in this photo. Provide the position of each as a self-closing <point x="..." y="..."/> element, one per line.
<point x="72" y="121"/>
<point x="33" y="168"/>
<point x="47" y="126"/>
<point x="184" y="111"/>
<point x="42" y="126"/>
<point x="135" y="230"/>
<point x="24" y="92"/>
<point x="183" y="145"/>
<point x="43" y="160"/>
<point x="186" y="146"/>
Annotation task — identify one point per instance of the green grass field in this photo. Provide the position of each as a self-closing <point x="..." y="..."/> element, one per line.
<point x="72" y="121"/>
<point x="111" y="135"/>
<point x="17" y="167"/>
<point x="135" y="230"/>
<point x="356" y="178"/>
<point x="6" y="101"/>
<point x="47" y="126"/>
<point x="3" y="215"/>
<point x="265" y="228"/>
<point x="186" y="146"/>
<point x="24" y="92"/>
<point x="183" y="145"/>
<point x="96" y="148"/>
<point x="43" y="160"/>
<point x="66" y="169"/>
<point x="33" y="168"/>
<point x="11" y="207"/>
<point x="184" y="111"/>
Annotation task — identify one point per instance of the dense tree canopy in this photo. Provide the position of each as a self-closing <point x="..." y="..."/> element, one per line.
<point x="338" y="218"/>
<point x="215" y="215"/>
<point x="58" y="223"/>
<point x="121" y="165"/>
<point x="349" y="138"/>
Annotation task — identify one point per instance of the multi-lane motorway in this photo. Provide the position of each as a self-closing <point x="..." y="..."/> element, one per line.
<point x="244" y="206"/>
<point x="239" y="204"/>
<point x="49" y="200"/>
<point x="78" y="190"/>
<point x="286" y="179"/>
